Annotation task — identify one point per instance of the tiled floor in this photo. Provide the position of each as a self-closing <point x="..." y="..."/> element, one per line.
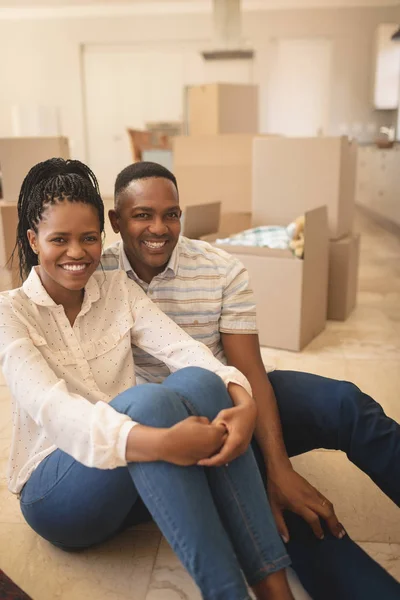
<point x="139" y="565"/>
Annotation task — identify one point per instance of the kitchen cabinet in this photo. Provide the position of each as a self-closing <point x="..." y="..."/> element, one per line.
<point x="378" y="181"/>
<point x="387" y="68"/>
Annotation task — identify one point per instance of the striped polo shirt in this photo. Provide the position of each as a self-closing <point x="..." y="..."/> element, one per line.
<point x="203" y="289"/>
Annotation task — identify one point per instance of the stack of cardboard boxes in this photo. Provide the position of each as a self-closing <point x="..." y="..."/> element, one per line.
<point x="271" y="180"/>
<point x="17" y="156"/>
<point x="213" y="163"/>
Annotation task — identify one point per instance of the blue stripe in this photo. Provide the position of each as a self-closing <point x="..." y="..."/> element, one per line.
<point x="198" y="267"/>
<point x="241" y="305"/>
<point x="187" y="290"/>
<point x="233" y="290"/>
<point x="193" y="314"/>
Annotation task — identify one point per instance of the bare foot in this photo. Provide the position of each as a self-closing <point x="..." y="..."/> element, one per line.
<point x="274" y="587"/>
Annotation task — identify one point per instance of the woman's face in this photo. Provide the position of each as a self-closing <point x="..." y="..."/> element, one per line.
<point x="68" y="243"/>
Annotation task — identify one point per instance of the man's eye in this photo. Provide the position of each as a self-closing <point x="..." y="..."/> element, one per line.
<point x="174" y="215"/>
<point x="141" y="216"/>
<point x="91" y="238"/>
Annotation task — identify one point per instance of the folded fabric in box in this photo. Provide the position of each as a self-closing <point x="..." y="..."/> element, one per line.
<point x="271" y="236"/>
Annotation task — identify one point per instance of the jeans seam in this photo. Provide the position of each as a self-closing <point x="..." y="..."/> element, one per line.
<point x="266" y="566"/>
<point x="49" y="491"/>
<point x="269" y="568"/>
<point x="159" y="504"/>
<point x="188" y="405"/>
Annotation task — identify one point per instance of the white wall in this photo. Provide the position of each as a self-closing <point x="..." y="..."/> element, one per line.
<point x="41" y="60"/>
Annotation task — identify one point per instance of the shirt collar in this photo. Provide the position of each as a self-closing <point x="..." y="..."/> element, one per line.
<point x="36" y="292"/>
<point x="169" y="272"/>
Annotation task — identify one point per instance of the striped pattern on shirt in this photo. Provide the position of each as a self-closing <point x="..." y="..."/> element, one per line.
<point x="203" y="289"/>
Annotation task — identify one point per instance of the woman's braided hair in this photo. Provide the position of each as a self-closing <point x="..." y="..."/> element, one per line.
<point x="48" y="182"/>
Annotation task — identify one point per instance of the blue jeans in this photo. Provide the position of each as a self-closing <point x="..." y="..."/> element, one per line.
<point x="317" y="412"/>
<point x="217" y="520"/>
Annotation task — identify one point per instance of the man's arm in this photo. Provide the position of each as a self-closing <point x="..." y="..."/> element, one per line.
<point x="286" y="488"/>
<point x="245" y="350"/>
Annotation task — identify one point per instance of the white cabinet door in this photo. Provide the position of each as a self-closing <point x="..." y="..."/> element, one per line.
<point x="125" y="87"/>
<point x="387" y="68"/>
<point x="298" y="95"/>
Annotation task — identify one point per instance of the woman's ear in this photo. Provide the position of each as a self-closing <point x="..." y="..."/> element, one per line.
<point x="32" y="239"/>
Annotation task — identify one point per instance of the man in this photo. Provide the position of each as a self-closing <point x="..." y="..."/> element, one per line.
<point x="206" y="291"/>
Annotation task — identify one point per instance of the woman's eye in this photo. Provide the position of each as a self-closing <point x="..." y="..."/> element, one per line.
<point x="58" y="240"/>
<point x="91" y="238"/>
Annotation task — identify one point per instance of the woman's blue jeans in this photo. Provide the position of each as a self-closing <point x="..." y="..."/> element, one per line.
<point x="218" y="520"/>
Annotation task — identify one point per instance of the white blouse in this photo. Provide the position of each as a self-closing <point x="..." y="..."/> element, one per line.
<point x="62" y="378"/>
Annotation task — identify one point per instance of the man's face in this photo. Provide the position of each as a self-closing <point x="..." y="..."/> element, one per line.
<point x="147" y="216"/>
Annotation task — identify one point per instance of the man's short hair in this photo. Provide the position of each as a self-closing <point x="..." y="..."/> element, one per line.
<point x="141" y="170"/>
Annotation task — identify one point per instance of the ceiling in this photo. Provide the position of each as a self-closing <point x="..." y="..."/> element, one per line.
<point x="192" y="5"/>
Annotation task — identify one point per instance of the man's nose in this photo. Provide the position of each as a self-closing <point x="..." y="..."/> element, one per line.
<point x="158" y="227"/>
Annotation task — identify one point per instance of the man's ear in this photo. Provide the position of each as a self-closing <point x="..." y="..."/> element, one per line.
<point x="112" y="215"/>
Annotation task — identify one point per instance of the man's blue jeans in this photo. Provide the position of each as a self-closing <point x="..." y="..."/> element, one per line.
<point x="218" y="520"/>
<point x="317" y="412"/>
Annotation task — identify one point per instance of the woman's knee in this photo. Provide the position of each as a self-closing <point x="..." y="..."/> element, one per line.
<point x="202" y="391"/>
<point x="151" y="404"/>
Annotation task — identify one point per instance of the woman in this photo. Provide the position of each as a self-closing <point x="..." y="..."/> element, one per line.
<point x="87" y="443"/>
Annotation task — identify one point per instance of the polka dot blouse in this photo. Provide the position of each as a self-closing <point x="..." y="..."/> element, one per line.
<point x="62" y="377"/>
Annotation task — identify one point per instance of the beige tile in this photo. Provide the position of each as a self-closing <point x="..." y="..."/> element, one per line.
<point x="4" y="395"/>
<point x="328" y="343"/>
<point x="387" y="555"/>
<point x="117" y="570"/>
<point x="380" y="379"/>
<point x="171" y="581"/>
<point x="366" y="513"/>
<point x="363" y="319"/>
<point x="372" y="346"/>
<point x="10" y="512"/>
<point x="5" y="420"/>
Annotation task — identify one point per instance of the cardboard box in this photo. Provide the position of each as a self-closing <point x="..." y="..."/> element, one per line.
<point x="291" y="294"/>
<point x="304" y="173"/>
<point x="9" y="275"/>
<point x="222" y="108"/>
<point x="18" y="155"/>
<point x="343" y="276"/>
<point x="214" y="168"/>
<point x="205" y="220"/>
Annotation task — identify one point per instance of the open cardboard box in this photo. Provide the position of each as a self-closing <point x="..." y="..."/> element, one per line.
<point x="304" y="173"/>
<point x="291" y="294"/>
<point x="218" y="108"/>
<point x="215" y="168"/>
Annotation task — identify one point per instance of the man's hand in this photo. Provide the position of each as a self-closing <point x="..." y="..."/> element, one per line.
<point x="239" y="422"/>
<point x="287" y="490"/>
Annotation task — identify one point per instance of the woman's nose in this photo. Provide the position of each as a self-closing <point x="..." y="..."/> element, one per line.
<point x="75" y="251"/>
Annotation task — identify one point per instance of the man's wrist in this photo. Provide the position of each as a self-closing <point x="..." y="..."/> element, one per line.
<point x="275" y="460"/>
